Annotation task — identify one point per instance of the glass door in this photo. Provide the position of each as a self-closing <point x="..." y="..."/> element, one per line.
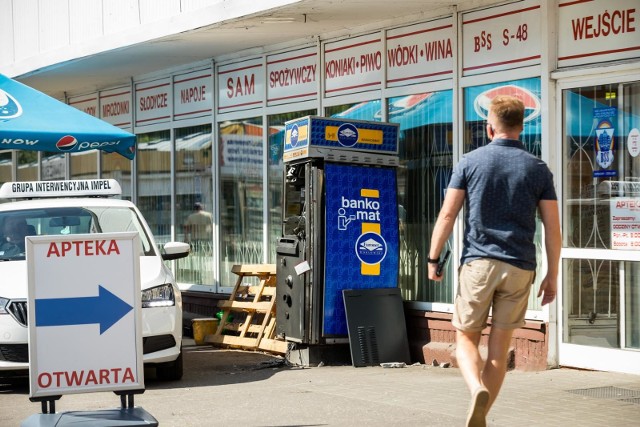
<point x="601" y="227"/>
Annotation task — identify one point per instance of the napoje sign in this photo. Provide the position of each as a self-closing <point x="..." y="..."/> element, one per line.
<point x="85" y="331"/>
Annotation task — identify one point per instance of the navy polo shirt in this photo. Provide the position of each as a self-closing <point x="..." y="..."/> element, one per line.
<point x="504" y="184"/>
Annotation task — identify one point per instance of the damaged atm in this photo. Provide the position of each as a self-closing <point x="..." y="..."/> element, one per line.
<point x="340" y="226"/>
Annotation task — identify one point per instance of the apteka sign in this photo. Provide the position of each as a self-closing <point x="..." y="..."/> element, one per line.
<point x="85" y="332"/>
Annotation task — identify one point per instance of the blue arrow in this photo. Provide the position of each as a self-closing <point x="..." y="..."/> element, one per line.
<point x="105" y="309"/>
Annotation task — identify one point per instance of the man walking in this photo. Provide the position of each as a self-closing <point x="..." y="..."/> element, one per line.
<point x="503" y="186"/>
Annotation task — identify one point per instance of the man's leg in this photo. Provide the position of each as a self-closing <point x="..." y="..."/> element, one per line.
<point x="495" y="367"/>
<point x="470" y="364"/>
<point x="468" y="358"/>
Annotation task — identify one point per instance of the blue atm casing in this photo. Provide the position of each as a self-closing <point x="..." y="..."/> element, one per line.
<point x="340" y="217"/>
<point x="361" y="235"/>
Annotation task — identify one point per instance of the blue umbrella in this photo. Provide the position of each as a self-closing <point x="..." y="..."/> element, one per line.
<point x="31" y="120"/>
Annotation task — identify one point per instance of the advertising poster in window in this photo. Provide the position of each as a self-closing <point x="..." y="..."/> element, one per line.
<point x="477" y="100"/>
<point x="625" y="223"/>
<point x="361" y="236"/>
<point x="605" y="141"/>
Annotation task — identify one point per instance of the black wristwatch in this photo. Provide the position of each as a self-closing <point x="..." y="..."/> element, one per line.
<point x="433" y="261"/>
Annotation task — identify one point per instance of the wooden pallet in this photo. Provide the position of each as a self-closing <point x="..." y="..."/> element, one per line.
<point x="249" y="316"/>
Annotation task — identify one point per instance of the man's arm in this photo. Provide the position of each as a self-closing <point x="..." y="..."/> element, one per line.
<point x="553" y="244"/>
<point x="444" y="226"/>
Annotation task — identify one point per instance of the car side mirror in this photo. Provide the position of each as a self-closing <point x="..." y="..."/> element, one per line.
<point x="175" y="250"/>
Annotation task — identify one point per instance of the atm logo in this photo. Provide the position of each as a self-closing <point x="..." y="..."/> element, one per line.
<point x="295" y="133"/>
<point x="347" y="135"/>
<point x="371" y="248"/>
<point x="10" y="108"/>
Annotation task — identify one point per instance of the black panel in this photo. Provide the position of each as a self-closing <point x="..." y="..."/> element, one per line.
<point x="157" y="343"/>
<point x="14" y="353"/>
<point x="290" y="288"/>
<point x="376" y="325"/>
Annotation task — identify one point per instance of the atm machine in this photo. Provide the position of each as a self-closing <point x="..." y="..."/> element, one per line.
<point x="340" y="227"/>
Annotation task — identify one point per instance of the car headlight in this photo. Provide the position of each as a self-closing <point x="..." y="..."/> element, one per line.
<point x="3" y="305"/>
<point x="160" y="296"/>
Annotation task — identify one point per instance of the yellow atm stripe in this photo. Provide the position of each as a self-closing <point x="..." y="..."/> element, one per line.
<point x="370" y="269"/>
<point x="371" y="227"/>
<point x="302" y="134"/>
<point x="365" y="136"/>
<point x="370" y="136"/>
<point x="366" y="192"/>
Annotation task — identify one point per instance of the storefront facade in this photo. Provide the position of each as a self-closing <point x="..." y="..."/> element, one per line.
<point x="211" y="132"/>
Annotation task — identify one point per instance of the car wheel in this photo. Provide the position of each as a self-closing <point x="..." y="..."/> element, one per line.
<point x="170" y="371"/>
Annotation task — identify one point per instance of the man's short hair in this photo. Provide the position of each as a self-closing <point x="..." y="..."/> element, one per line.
<point x="197" y="206"/>
<point x="508" y="110"/>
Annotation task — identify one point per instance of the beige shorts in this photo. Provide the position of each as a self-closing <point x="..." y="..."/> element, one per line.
<point x="488" y="283"/>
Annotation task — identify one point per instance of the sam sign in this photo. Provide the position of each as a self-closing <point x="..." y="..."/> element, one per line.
<point x="85" y="332"/>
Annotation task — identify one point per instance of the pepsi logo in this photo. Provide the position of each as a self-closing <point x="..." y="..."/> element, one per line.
<point x="531" y="102"/>
<point x="66" y="143"/>
<point x="10" y="108"/>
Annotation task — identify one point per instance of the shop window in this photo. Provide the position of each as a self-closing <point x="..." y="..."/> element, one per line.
<point x="153" y="158"/>
<point x="53" y="166"/>
<point x="27" y="165"/>
<point x="274" y="177"/>
<point x="84" y="165"/>
<point x="115" y="166"/>
<point x="601" y="193"/>
<point x="425" y="151"/>
<point x="366" y="110"/>
<point x="241" y="193"/>
<point x="6" y="165"/>
<point x="194" y="203"/>
<point x="476" y="109"/>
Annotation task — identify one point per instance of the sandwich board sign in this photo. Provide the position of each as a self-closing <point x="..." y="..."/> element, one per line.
<point x="85" y="330"/>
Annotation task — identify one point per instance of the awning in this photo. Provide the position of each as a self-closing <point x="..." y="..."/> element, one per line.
<point x="31" y="120"/>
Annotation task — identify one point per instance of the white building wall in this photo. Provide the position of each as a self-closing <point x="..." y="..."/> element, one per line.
<point x="26" y="28"/>
<point x="155" y="10"/>
<point x="86" y="16"/>
<point x="53" y="19"/>
<point x="39" y="33"/>
<point x="6" y="32"/>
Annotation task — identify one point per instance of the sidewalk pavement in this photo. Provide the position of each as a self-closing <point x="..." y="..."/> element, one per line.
<point x="238" y="388"/>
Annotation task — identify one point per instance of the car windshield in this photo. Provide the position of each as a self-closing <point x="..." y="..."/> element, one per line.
<point x="16" y="225"/>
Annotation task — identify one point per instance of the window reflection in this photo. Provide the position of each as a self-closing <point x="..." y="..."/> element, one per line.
<point x="53" y="167"/>
<point x="425" y="169"/>
<point x="154" y="183"/>
<point x="194" y="203"/>
<point x="5" y="166"/>
<point x="115" y="166"/>
<point x="241" y="208"/>
<point x="27" y="165"/>
<point x="366" y="110"/>
<point x="84" y="165"/>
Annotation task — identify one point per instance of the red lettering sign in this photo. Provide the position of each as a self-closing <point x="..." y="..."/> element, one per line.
<point x="83" y="248"/>
<point x="85" y="377"/>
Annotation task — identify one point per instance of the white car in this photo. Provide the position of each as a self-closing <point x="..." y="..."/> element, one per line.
<point x="51" y="211"/>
